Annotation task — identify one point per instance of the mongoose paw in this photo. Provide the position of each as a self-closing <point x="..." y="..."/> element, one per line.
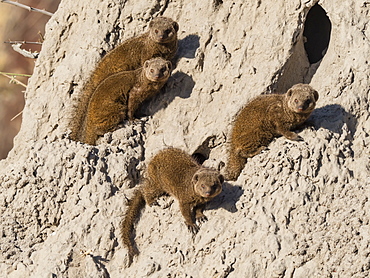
<point x="154" y="203"/>
<point x="263" y="149"/>
<point x="298" y="138"/>
<point x="136" y="121"/>
<point x="202" y="219"/>
<point x="133" y="120"/>
<point x="231" y="176"/>
<point x="193" y="228"/>
<point x="294" y="137"/>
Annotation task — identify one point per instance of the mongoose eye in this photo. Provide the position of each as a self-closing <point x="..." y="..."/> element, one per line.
<point x="296" y="100"/>
<point x="151" y="70"/>
<point x="203" y="186"/>
<point x="156" y="31"/>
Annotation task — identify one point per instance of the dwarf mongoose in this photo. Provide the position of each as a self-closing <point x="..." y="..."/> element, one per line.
<point x="159" y="41"/>
<point x="174" y="172"/>
<point x="264" y="118"/>
<point x="119" y="96"/>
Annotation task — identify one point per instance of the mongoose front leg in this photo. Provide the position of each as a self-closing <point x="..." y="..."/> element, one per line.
<point x="135" y="99"/>
<point x="199" y="216"/>
<point x="186" y="210"/>
<point x="291" y="135"/>
<point x="133" y="102"/>
<point x="288" y="134"/>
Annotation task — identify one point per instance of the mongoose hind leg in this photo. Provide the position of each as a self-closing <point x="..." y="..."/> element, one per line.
<point x="238" y="158"/>
<point x="110" y="120"/>
<point x="101" y="120"/>
<point x="235" y="166"/>
<point x="95" y="130"/>
<point x="91" y="132"/>
<point x="90" y="137"/>
<point x="151" y="193"/>
<point x="252" y="152"/>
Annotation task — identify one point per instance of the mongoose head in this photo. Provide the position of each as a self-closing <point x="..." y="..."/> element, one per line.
<point x="157" y="69"/>
<point x="207" y="182"/>
<point x="163" y="30"/>
<point x="301" y="98"/>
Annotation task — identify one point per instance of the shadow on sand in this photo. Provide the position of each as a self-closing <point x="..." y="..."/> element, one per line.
<point x="333" y="117"/>
<point x="227" y="198"/>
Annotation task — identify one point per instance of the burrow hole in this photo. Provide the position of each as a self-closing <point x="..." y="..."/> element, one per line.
<point x="317" y="31"/>
<point x="202" y="153"/>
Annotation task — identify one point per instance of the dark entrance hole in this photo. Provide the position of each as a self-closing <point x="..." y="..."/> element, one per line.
<point x="200" y="158"/>
<point x="317" y="33"/>
<point x="201" y="154"/>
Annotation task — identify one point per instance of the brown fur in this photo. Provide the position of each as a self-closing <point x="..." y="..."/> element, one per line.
<point x="264" y="118"/>
<point x="174" y="172"/>
<point x="120" y="95"/>
<point x="159" y="41"/>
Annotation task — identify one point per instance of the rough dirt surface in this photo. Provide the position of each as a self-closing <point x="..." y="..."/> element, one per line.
<point x="299" y="209"/>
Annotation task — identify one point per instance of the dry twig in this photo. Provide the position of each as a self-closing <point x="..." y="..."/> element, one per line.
<point x="12" y="76"/>
<point x="41" y="37"/>
<point x="12" y="119"/>
<point x="17" y="47"/>
<point x="31" y="9"/>
<point x="22" y="42"/>
<point x="25" y="53"/>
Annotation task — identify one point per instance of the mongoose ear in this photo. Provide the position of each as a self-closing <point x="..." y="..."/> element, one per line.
<point x="169" y="64"/>
<point x="151" y="23"/>
<point x="146" y="64"/>
<point x="195" y="178"/>
<point x="175" y="26"/>
<point x="221" y="178"/>
<point x="316" y="95"/>
<point x="289" y="93"/>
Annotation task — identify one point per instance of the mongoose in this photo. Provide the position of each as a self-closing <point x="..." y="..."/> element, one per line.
<point x="119" y="95"/>
<point x="159" y="41"/>
<point x="174" y="172"/>
<point x="264" y="118"/>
